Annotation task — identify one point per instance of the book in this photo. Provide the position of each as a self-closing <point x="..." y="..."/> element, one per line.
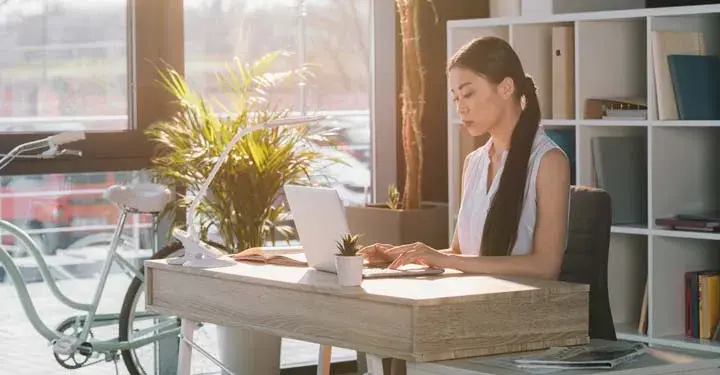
<point x="289" y="256"/>
<point x="620" y="164"/>
<point x="665" y="43"/>
<point x="563" y="72"/>
<point x="603" y="356"/>
<point x="696" y="85"/>
<point x="702" y="303"/>
<point x="676" y="223"/>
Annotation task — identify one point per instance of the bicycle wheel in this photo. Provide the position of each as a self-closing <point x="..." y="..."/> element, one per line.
<point x="132" y="357"/>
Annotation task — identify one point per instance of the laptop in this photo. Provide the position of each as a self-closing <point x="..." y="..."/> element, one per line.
<point x="319" y="216"/>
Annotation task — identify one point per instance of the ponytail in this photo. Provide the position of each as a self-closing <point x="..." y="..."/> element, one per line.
<point x="501" y="224"/>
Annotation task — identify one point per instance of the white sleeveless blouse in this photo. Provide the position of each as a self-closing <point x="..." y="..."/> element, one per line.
<point x="476" y="196"/>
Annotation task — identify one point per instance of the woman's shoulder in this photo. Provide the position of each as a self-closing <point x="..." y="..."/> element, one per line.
<point x="548" y="157"/>
<point x="544" y="144"/>
<point x="552" y="162"/>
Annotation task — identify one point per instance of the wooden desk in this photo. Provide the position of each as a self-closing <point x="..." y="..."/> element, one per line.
<point x="418" y="319"/>
<point x="661" y="361"/>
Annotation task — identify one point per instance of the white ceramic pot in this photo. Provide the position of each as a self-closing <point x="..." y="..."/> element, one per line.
<point x="248" y="352"/>
<point x="349" y="269"/>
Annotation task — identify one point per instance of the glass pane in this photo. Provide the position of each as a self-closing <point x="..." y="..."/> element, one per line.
<point x="63" y="65"/>
<point x="337" y="40"/>
<point x="331" y="37"/>
<point x="217" y="32"/>
<point x="67" y="216"/>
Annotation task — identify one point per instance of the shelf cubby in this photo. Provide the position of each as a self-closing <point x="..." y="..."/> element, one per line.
<point x="685" y="173"/>
<point x="610" y="60"/>
<point x="695" y="34"/>
<point x="614" y="158"/>
<point x="533" y="43"/>
<point x="628" y="263"/>
<point x="671" y="258"/>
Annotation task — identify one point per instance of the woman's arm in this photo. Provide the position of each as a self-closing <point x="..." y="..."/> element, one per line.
<point x="545" y="260"/>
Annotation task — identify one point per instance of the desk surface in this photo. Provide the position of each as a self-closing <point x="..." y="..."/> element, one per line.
<point x="452" y="286"/>
<point x="656" y="361"/>
<point x="420" y="318"/>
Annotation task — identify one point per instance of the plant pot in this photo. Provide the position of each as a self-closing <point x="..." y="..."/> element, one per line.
<point x="349" y="269"/>
<point x="248" y="352"/>
<point x="380" y="224"/>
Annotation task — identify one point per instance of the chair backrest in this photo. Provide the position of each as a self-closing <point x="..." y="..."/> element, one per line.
<point x="586" y="255"/>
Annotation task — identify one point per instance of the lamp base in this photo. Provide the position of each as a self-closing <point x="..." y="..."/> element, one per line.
<point x="199" y="254"/>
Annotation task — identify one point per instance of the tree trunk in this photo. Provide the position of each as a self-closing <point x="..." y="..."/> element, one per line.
<point x="413" y="100"/>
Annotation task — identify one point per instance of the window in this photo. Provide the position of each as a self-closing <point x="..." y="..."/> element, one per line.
<point x="331" y="35"/>
<point x="63" y="65"/>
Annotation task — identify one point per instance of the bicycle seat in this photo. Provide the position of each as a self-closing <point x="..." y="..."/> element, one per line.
<point x="141" y="197"/>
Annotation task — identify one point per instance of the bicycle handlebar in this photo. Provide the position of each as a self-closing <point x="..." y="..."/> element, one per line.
<point x="51" y="144"/>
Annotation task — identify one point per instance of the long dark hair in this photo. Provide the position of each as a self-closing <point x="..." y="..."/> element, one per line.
<point x="495" y="60"/>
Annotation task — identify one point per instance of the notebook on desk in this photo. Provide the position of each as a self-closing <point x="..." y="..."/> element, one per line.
<point x="319" y="216"/>
<point x="607" y="356"/>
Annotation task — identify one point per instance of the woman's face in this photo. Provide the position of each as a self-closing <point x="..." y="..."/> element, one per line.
<point x="478" y="101"/>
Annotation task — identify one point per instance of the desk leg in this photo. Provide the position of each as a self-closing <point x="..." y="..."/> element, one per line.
<point x="323" y="367"/>
<point x="185" y="355"/>
<point x="374" y="364"/>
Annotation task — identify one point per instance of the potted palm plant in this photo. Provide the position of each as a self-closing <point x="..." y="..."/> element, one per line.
<point x="405" y="217"/>
<point x="348" y="263"/>
<point x="244" y="203"/>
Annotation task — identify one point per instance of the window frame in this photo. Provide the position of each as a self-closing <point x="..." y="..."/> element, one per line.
<point x="154" y="34"/>
<point x="383" y="101"/>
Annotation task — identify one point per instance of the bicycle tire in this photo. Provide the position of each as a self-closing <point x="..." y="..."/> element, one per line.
<point x="128" y="304"/>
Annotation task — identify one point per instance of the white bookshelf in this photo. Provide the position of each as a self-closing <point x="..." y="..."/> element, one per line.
<point x="613" y="58"/>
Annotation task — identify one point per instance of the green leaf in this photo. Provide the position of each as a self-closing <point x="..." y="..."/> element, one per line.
<point x="244" y="200"/>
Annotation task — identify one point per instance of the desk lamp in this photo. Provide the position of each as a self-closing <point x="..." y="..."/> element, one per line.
<point x="197" y="253"/>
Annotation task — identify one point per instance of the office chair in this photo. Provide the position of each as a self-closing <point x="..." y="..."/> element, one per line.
<point x="585" y="261"/>
<point x="586" y="255"/>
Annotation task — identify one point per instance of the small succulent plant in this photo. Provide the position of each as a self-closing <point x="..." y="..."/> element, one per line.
<point x="348" y="245"/>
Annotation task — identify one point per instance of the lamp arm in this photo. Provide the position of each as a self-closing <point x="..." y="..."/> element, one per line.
<point x="221" y="160"/>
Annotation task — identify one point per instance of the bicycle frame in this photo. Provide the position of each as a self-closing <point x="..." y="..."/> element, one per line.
<point x="67" y="344"/>
<point x="91" y="319"/>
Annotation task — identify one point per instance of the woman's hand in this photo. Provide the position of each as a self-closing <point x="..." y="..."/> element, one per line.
<point x="376" y="253"/>
<point x="418" y="253"/>
<point x="381" y="253"/>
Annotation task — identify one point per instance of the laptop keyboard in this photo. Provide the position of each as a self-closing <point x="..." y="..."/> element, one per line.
<point x="389" y="272"/>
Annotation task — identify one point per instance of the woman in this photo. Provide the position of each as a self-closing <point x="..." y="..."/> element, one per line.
<point x="514" y="210"/>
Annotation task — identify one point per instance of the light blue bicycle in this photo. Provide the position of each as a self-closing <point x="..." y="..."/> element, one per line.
<point x="73" y="343"/>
